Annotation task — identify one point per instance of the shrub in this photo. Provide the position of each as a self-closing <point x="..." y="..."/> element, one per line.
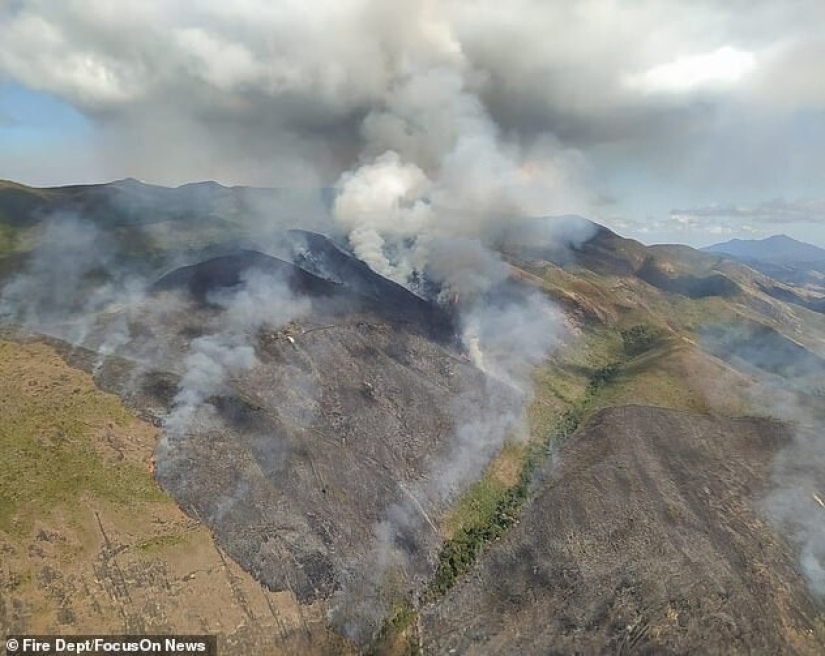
<point x="639" y="339"/>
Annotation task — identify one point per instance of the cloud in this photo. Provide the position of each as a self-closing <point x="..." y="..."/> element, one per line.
<point x="777" y="211"/>
<point x="723" y="67"/>
<point x="655" y="103"/>
<point x="253" y="91"/>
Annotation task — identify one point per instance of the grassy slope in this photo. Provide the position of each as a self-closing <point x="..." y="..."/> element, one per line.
<point x="17" y="205"/>
<point x="91" y="544"/>
<point x="8" y="239"/>
<point x="50" y="459"/>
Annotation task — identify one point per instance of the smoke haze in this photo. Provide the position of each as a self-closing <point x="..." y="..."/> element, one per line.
<point x="787" y="383"/>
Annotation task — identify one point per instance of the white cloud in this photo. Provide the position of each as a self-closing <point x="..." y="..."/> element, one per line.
<point x="226" y="65"/>
<point x="718" y="69"/>
<point x="776" y="211"/>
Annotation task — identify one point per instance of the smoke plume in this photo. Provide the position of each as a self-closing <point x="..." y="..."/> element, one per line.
<point x="797" y="502"/>
<point x="213" y="359"/>
<point x="435" y="166"/>
<point x="788" y="386"/>
<point x="431" y="185"/>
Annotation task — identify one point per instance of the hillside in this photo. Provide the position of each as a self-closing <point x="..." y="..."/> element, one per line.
<point x="643" y="540"/>
<point x="332" y="449"/>
<point x="89" y="540"/>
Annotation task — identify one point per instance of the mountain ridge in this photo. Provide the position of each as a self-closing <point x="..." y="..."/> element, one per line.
<point x="777" y="249"/>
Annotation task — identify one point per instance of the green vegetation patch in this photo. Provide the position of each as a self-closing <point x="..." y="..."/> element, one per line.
<point x="397" y="636"/>
<point x="161" y="543"/>
<point x="460" y="552"/>
<point x="477" y="505"/>
<point x="639" y="339"/>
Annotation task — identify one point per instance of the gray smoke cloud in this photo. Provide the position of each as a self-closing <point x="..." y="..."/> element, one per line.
<point x="797" y="502"/>
<point x="673" y="102"/>
<point x="437" y="166"/>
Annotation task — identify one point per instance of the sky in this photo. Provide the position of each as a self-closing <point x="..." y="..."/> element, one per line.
<point x="691" y="121"/>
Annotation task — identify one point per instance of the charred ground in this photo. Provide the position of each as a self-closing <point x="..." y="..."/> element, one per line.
<point x="645" y="539"/>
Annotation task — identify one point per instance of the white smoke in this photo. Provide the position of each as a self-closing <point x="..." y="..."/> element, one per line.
<point x="210" y="361"/>
<point x="437" y="186"/>
<point x="383" y="198"/>
<point x="72" y="274"/>
<point x="787" y="384"/>
<point x="435" y="165"/>
<point x="796" y="504"/>
<point x="214" y="359"/>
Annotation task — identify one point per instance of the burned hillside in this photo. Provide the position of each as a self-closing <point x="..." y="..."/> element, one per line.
<point x="647" y="538"/>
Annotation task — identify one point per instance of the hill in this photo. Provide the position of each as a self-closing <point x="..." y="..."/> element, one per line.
<point x="337" y="454"/>
<point x="580" y="574"/>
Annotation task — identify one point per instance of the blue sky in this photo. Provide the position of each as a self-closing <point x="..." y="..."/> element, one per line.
<point x="44" y="140"/>
<point x="31" y="118"/>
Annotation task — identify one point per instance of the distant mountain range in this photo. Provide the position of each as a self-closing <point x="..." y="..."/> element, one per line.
<point x="778" y="256"/>
<point x="778" y="249"/>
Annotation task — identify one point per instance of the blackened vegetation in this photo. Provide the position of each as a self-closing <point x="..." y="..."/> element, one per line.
<point x="205" y="278"/>
<point x="240" y="414"/>
<point x="321" y="256"/>
<point x="644" y="538"/>
<point x="347" y="284"/>
<point x="159" y="387"/>
<point x="291" y="463"/>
